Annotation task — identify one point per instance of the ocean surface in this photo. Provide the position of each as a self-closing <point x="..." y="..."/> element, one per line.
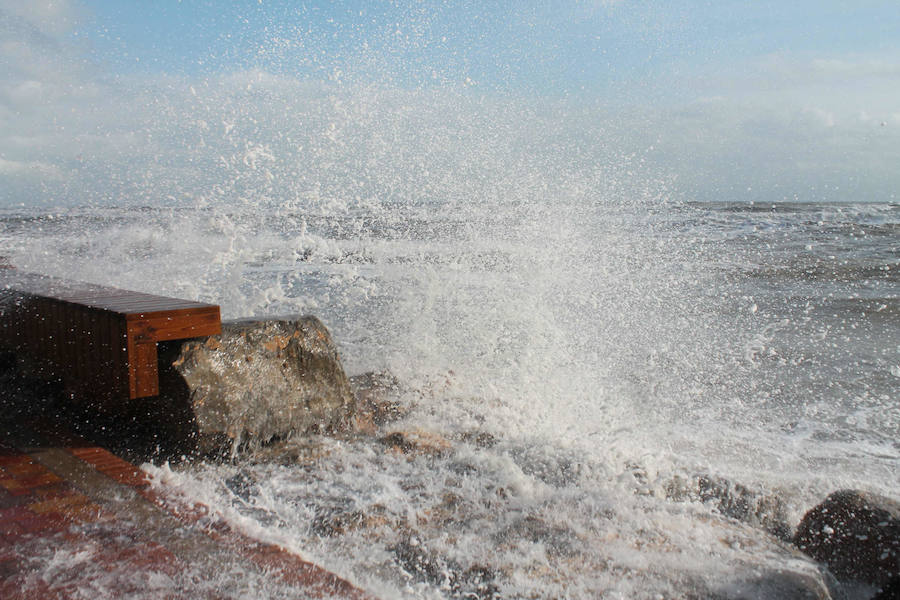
<point x="574" y="353"/>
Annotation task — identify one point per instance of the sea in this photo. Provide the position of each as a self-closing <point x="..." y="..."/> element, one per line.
<point x="600" y="366"/>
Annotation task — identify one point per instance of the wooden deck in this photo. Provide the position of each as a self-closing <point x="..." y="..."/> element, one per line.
<point x="94" y="336"/>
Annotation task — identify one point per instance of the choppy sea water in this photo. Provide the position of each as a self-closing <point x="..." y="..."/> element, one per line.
<point x="571" y="357"/>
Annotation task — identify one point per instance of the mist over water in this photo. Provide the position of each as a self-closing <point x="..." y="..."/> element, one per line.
<point x="531" y="268"/>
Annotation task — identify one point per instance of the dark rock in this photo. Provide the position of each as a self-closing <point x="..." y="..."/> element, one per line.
<point x="417" y="442"/>
<point x="264" y="379"/>
<point x="856" y="534"/>
<point x="303" y="453"/>
<point x="557" y="540"/>
<point x="735" y="501"/>
<point x="555" y="469"/>
<point x="330" y="522"/>
<point x="243" y="485"/>
<point x="890" y="590"/>
<point x="784" y="584"/>
<point x="481" y="439"/>
<point x="421" y="564"/>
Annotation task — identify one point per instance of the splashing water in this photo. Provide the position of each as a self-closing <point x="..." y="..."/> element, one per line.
<point x="573" y="335"/>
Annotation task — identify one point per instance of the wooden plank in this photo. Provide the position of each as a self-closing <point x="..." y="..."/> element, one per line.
<point x="31" y="310"/>
<point x="113" y="295"/>
<point x="143" y="369"/>
<point x="103" y="359"/>
<point x="126" y="306"/>
<point x="181" y="326"/>
<point x="117" y="363"/>
<point x="120" y="355"/>
<point x="25" y="334"/>
<point x="73" y="340"/>
<point x="172" y="315"/>
<point x="85" y="349"/>
<point x="68" y="340"/>
<point x="57" y="332"/>
<point x="19" y="325"/>
<point x="149" y="306"/>
<point x="82" y="346"/>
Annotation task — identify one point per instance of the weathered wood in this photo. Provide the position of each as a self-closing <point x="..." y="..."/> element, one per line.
<point x="96" y="337"/>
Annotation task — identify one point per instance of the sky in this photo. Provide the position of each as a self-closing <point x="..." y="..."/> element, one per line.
<point x="542" y="47"/>
<point x="736" y="100"/>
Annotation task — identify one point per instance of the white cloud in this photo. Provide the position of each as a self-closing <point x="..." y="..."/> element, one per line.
<point x="51" y="17"/>
<point x="13" y="167"/>
<point x="787" y="122"/>
<point x="37" y="60"/>
<point x="26" y="93"/>
<point x="737" y="149"/>
<point x="848" y="68"/>
<point x="816" y="117"/>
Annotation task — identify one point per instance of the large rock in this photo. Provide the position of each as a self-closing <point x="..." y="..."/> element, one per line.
<point x="262" y="379"/>
<point x="856" y="534"/>
<point x="761" y="509"/>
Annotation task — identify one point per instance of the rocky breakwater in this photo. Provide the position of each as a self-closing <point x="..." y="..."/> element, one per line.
<point x="259" y="380"/>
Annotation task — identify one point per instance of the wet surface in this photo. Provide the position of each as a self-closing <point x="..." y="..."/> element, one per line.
<point x="77" y="521"/>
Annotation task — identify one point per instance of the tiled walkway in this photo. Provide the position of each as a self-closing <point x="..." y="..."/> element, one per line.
<point x="79" y="522"/>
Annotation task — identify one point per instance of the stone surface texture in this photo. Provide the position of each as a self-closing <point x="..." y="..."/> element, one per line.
<point x="735" y="501"/>
<point x="856" y="534"/>
<point x="262" y="379"/>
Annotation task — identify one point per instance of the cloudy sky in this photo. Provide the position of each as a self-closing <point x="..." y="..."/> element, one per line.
<point x="107" y="101"/>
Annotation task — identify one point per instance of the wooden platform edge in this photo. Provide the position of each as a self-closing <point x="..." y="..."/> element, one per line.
<point x="97" y="336"/>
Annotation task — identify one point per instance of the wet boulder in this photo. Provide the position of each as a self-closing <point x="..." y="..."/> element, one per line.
<point x="856" y="534"/>
<point x="377" y="401"/>
<point x="420" y="563"/>
<point x="733" y="500"/>
<point x="557" y="539"/>
<point x="264" y="379"/>
<point x="809" y="584"/>
<point x="417" y="442"/>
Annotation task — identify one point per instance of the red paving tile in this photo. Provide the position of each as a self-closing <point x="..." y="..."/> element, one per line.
<point x="14" y="514"/>
<point x="57" y="490"/>
<point x="111" y="465"/>
<point x="12" y="487"/>
<point x="189" y="513"/>
<point x="42" y="515"/>
<point x="38" y="480"/>
<point x="292" y="569"/>
<point x="9" y="520"/>
<point x="111" y="565"/>
<point x="29" y="522"/>
<point x="7" y="499"/>
<point x="21" y="466"/>
<point x="12" y="458"/>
